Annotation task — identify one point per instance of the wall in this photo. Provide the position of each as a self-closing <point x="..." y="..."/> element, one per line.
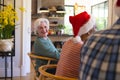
<point x="34" y="6"/>
<point x="112" y="16"/>
<point x="22" y="38"/>
<point x="26" y="35"/>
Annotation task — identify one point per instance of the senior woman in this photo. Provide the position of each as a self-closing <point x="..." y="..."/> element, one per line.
<point x="43" y="46"/>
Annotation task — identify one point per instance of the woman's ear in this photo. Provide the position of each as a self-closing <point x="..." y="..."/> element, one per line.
<point x="85" y="36"/>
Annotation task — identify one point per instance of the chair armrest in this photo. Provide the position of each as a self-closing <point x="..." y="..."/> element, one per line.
<point x="32" y="57"/>
<point x="41" y="57"/>
<point x="43" y="72"/>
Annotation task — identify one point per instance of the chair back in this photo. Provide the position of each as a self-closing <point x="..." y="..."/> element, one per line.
<point x="32" y="57"/>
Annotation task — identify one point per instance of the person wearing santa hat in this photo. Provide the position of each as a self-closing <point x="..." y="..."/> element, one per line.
<point x="68" y="65"/>
<point x="100" y="56"/>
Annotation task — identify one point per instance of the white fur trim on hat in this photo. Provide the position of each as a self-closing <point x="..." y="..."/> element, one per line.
<point x="76" y="39"/>
<point x="87" y="27"/>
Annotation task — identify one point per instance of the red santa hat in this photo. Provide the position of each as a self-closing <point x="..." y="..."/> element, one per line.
<point x="117" y="8"/>
<point x="81" y="23"/>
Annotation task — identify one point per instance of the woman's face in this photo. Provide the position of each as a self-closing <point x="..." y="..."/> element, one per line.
<point x="42" y="30"/>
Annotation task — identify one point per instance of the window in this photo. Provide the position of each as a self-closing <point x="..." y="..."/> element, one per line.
<point x="100" y="12"/>
<point x="70" y="11"/>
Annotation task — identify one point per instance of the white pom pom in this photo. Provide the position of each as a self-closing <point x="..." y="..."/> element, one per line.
<point x="76" y="39"/>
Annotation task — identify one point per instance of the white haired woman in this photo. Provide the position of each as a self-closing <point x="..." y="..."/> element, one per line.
<point x="43" y="46"/>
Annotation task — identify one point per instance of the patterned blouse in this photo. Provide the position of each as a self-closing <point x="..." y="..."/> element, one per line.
<point x="68" y="64"/>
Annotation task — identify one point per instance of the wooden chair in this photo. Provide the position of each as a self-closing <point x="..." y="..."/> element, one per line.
<point x="48" y="76"/>
<point x="32" y="57"/>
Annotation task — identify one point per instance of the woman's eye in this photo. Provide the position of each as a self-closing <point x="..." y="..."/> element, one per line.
<point x="40" y="27"/>
<point x="45" y="26"/>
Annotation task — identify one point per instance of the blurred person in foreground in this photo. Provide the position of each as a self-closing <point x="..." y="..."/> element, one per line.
<point x="83" y="26"/>
<point x="100" y="56"/>
<point x="43" y="46"/>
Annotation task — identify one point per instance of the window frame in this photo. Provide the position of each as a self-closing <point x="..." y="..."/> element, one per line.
<point x="101" y="22"/>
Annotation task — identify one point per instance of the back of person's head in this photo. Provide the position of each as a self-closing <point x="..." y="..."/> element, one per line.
<point x="82" y="23"/>
<point x="38" y="22"/>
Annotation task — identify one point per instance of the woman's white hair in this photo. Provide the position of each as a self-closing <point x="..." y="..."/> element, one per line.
<point x="38" y="22"/>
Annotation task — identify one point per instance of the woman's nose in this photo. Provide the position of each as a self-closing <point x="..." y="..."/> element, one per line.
<point x="44" y="29"/>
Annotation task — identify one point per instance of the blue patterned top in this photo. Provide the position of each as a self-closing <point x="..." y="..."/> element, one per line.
<point x="100" y="56"/>
<point x="44" y="47"/>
